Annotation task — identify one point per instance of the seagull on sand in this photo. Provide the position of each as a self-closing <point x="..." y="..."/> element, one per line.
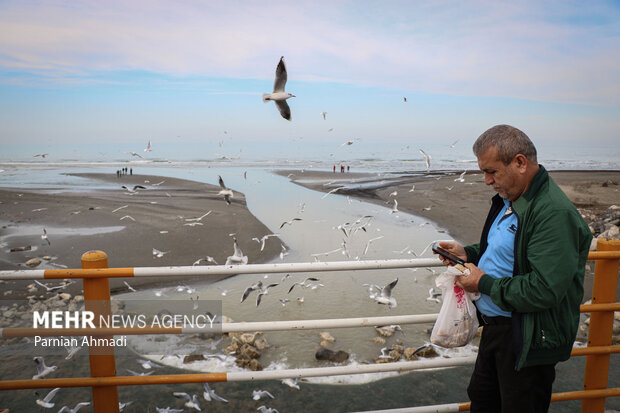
<point x="75" y="409"/>
<point x="237" y="257"/>
<point x="134" y="189"/>
<point x="385" y="297"/>
<point x="42" y="369"/>
<point x="191" y="401"/>
<point x="224" y="191"/>
<point x="427" y="158"/>
<point x="279" y="96"/>
<point x="148" y="147"/>
<point x="209" y="394"/>
<point x="257" y="394"/>
<point x="47" y="400"/>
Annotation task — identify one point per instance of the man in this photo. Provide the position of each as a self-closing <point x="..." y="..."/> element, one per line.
<point x="529" y="267"/>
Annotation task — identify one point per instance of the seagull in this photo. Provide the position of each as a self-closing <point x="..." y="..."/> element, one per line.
<point x="119" y="208"/>
<point x="71" y="351"/>
<point x="348" y="143"/>
<point x="199" y="218"/>
<point x="208" y="259"/>
<point x="135" y="373"/>
<point x="127" y="217"/>
<point x="332" y="191"/>
<point x="168" y="410"/>
<point x="75" y="409"/>
<point x="54" y="288"/>
<point x="47" y="400"/>
<point x="291" y="383"/>
<point x="224" y="191"/>
<point x="135" y="154"/>
<point x="303" y="283"/>
<point x="209" y="394"/>
<point x="134" y="189"/>
<point x="412" y="188"/>
<point x="148" y="147"/>
<point x="290" y="222"/>
<point x="264" y="409"/>
<point x="324" y="114"/>
<point x="461" y="178"/>
<point x="42" y="369"/>
<point x="284" y="251"/>
<point x="158" y="254"/>
<point x="257" y="394"/>
<point x="453" y="143"/>
<point x="42" y="155"/>
<point x="237" y="257"/>
<point x="385" y="297"/>
<point x="279" y="96"/>
<point x="256" y="286"/>
<point x="433" y="295"/>
<point x="264" y="290"/>
<point x="121" y="406"/>
<point x="263" y="239"/>
<point x="427" y="158"/>
<point x="394" y="208"/>
<point x="44" y="237"/>
<point x="368" y="243"/>
<point x="191" y="401"/>
<point x="147" y="364"/>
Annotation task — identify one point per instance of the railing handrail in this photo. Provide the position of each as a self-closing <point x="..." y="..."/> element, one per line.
<point x="96" y="269"/>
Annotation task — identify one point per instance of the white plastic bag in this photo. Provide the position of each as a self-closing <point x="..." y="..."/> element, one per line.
<point x="457" y="323"/>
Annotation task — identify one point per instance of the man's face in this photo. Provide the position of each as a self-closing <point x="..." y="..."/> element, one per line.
<point x="505" y="179"/>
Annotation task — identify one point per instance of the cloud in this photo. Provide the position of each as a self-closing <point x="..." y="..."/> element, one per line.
<point x="558" y="52"/>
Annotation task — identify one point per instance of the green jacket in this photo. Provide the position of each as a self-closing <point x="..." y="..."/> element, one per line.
<point x="545" y="292"/>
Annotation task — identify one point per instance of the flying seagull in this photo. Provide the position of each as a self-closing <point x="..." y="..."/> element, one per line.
<point x="225" y="191"/>
<point x="385" y="297"/>
<point x="190" y="401"/>
<point x="290" y="222"/>
<point x="42" y="369"/>
<point x="279" y="96"/>
<point x="75" y="409"/>
<point x="257" y="394"/>
<point x="209" y="394"/>
<point x="324" y="115"/>
<point x="427" y="158"/>
<point x="461" y="177"/>
<point x="134" y="189"/>
<point x="47" y="400"/>
<point x="135" y="154"/>
<point x="148" y="147"/>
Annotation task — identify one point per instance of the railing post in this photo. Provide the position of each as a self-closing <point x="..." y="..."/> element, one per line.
<point x="601" y="324"/>
<point x="97" y="300"/>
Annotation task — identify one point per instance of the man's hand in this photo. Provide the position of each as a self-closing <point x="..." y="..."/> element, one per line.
<point x="453" y="248"/>
<point x="469" y="282"/>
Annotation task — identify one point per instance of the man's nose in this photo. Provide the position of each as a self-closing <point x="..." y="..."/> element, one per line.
<point x="488" y="179"/>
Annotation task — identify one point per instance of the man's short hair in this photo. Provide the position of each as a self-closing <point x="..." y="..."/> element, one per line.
<point x="509" y="142"/>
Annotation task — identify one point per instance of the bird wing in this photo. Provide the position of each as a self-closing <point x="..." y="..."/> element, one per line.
<point x="246" y="293"/>
<point x="51" y="395"/>
<point x="138" y="187"/>
<point x="258" y="298"/>
<point x="284" y="109"/>
<point x="221" y="181"/>
<point x="387" y="290"/>
<point x="281" y="76"/>
<point x="181" y="395"/>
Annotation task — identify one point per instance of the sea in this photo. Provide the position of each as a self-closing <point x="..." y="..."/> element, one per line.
<point x="274" y="199"/>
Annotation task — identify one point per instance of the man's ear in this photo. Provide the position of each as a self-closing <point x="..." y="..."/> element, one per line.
<point x="521" y="162"/>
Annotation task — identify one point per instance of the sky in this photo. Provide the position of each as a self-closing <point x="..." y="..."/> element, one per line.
<point x="74" y="72"/>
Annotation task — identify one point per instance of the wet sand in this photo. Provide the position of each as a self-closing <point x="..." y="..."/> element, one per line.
<point x="160" y="216"/>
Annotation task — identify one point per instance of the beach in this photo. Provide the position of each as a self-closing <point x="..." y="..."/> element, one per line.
<point x="166" y="213"/>
<point x="164" y="217"/>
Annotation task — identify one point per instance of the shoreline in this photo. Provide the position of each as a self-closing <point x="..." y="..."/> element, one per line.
<point x="165" y="216"/>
